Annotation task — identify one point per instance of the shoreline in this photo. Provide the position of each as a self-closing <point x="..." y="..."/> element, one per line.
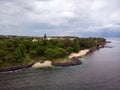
<point x="79" y="54"/>
<point x="19" y="55"/>
<point x="44" y="64"/>
<point x="17" y="68"/>
<point x="74" y="60"/>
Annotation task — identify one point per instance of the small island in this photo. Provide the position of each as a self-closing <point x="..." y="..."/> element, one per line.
<point x="18" y="52"/>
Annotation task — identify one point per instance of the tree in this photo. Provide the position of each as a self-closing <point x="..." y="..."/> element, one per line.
<point x="9" y="58"/>
<point x="76" y="46"/>
<point x="33" y="53"/>
<point x="40" y="50"/>
<point x="45" y="36"/>
<point x="44" y="39"/>
<point x="55" y="53"/>
<point x="67" y="42"/>
<point x="60" y="52"/>
<point x="17" y="54"/>
<point x="69" y="50"/>
<point x="1" y="62"/>
<point x="50" y="53"/>
<point x="22" y="49"/>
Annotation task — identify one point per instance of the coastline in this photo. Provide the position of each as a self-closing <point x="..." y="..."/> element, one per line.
<point x="17" y="68"/>
<point x="21" y="54"/>
<point x="74" y="60"/>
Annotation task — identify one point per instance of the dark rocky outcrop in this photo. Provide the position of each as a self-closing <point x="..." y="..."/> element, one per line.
<point x="74" y="61"/>
<point x="16" y="68"/>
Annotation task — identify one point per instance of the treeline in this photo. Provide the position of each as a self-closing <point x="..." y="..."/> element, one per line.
<point x="20" y="51"/>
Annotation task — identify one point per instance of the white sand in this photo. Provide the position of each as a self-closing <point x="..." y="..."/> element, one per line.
<point x="79" y="54"/>
<point x="45" y="64"/>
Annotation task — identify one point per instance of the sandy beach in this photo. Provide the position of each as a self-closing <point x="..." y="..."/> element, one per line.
<point x="45" y="64"/>
<point x="79" y="54"/>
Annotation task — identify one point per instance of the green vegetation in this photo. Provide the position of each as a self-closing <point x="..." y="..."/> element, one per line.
<point x="17" y="51"/>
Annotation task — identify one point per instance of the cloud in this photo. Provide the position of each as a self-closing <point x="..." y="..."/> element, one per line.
<point x="67" y="16"/>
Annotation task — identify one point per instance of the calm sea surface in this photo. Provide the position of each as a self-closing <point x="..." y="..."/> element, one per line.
<point x="100" y="71"/>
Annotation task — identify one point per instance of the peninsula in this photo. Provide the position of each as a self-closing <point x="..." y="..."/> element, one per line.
<point x="18" y="52"/>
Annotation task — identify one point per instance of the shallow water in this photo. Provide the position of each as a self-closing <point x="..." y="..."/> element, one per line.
<point x="100" y="71"/>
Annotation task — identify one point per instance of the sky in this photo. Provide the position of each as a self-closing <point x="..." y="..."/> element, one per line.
<point x="60" y="17"/>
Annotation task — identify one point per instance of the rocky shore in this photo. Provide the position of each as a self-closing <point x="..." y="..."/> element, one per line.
<point x="74" y="61"/>
<point x="16" y="68"/>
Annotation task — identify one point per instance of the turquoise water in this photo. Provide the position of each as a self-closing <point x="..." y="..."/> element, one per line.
<point x="100" y="71"/>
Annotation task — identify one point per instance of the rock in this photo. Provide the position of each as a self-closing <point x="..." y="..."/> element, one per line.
<point x="16" y="68"/>
<point x="74" y="61"/>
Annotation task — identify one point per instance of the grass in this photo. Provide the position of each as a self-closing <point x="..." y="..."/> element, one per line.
<point x="61" y="60"/>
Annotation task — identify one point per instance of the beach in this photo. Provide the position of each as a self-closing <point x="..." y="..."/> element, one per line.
<point x="79" y="54"/>
<point x="49" y="63"/>
<point x="45" y="64"/>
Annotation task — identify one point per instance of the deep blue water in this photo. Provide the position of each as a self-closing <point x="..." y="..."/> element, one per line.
<point x="100" y="71"/>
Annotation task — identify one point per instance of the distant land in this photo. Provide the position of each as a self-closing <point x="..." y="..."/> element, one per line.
<point x="101" y="33"/>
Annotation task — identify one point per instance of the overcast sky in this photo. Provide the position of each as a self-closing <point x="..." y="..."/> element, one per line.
<point x="59" y="17"/>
